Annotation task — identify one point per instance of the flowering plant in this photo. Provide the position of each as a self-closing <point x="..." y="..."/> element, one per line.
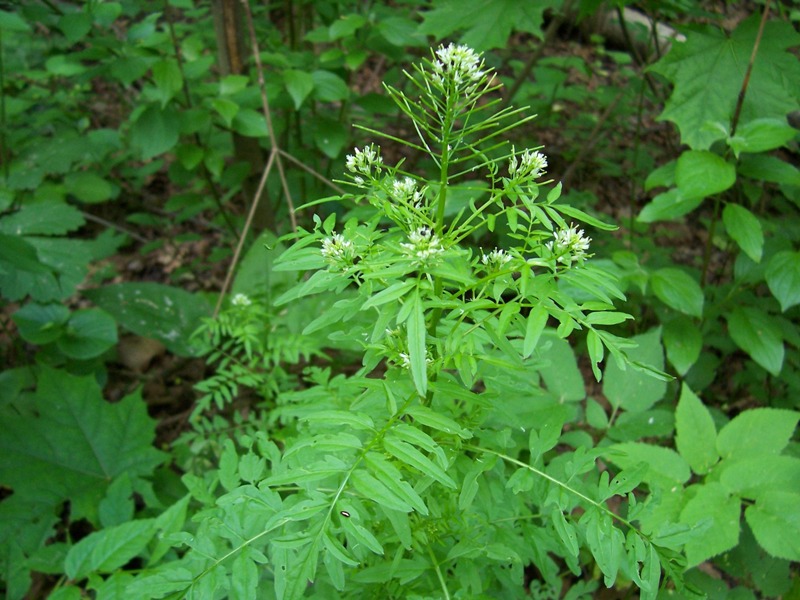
<point x="430" y="471"/>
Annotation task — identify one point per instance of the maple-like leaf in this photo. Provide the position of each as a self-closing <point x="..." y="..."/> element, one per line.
<point x="708" y="69"/>
<point x="486" y="25"/>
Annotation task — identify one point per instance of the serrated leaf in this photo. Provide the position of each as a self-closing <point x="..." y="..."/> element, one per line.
<point x="244" y="577"/>
<point x="108" y="549"/>
<point x="44" y="218"/>
<point x="695" y="435"/>
<point x="666" y="467"/>
<point x="678" y="290"/>
<point x="783" y="278"/>
<point x="745" y="228"/>
<point x="775" y="521"/>
<point x="713" y="500"/>
<point x="708" y="70"/>
<point x="759" y="431"/>
<point x="759" y="335"/>
<point x="761" y="475"/>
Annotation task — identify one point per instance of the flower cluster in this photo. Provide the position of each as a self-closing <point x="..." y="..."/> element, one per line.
<point x="362" y="163"/>
<point x="338" y="251"/>
<point x="459" y="64"/>
<point x="495" y="260"/>
<point x="424" y="245"/>
<point x="531" y="164"/>
<point x="241" y="300"/>
<point x="570" y="245"/>
<point x="405" y="191"/>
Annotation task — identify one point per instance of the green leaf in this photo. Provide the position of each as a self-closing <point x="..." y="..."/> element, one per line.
<point x="566" y="531"/>
<point x="89" y="333"/>
<point x="760" y="476"/>
<point x="711" y="500"/>
<point x="409" y="455"/>
<point x="666" y="467"/>
<point x="108" y="549"/>
<point x="390" y="294"/>
<point x="417" y="348"/>
<point x="155" y="131"/>
<point x="11" y="21"/>
<point x="329" y="136"/>
<point x="41" y="323"/>
<point x="168" y="79"/>
<point x="299" y="84"/>
<point x="23" y="273"/>
<point x="769" y="168"/>
<point x="775" y="521"/>
<point x="755" y="432"/>
<point x="759" y="335"/>
<point x="438" y="421"/>
<point x="678" y="290"/>
<point x="683" y="343"/>
<point x="372" y="489"/>
<point x="631" y="389"/>
<point x="329" y="87"/>
<point x="668" y="206"/>
<point x="244" y="576"/>
<point x="708" y="70"/>
<point x="783" y="278"/>
<point x="695" y="433"/>
<point x="745" y="228"/>
<point x="488" y="24"/>
<point x="250" y="123"/>
<point x="761" y="135"/>
<point x="43" y="218"/>
<point x="78" y="441"/>
<point x="390" y="476"/>
<point x="88" y="187"/>
<point x="153" y="310"/>
<point x="534" y="325"/>
<point x="560" y="373"/>
<point x="700" y="174"/>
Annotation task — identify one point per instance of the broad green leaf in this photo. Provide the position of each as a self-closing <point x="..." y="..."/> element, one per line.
<point x="666" y="467"/>
<point x="108" y="549"/>
<point x="417" y="347"/>
<point x="364" y="536"/>
<point x="560" y="371"/>
<point x="565" y="530"/>
<point x="79" y="442"/>
<point x="168" y="314"/>
<point x="783" y="278"/>
<point x="775" y="521"/>
<point x="711" y="500"/>
<point x="244" y="577"/>
<point x="487" y="25"/>
<point x="89" y="333"/>
<point x="761" y="475"/>
<point x="88" y="187"/>
<point x="755" y="432"/>
<point x="42" y="218"/>
<point x="41" y="323"/>
<point x="168" y="79"/>
<point x="667" y="206"/>
<point x="762" y="167"/>
<point x="250" y="123"/>
<point x="155" y="131"/>
<point x="745" y="228"/>
<point x="12" y="21"/>
<point x="329" y="87"/>
<point x="761" y="135"/>
<point x="759" y="335"/>
<point x="708" y="70"/>
<point x="227" y="109"/>
<point x="299" y="84"/>
<point x="695" y="433"/>
<point x="700" y="174"/>
<point x="626" y="480"/>
<point x="329" y="136"/>
<point x="346" y="26"/>
<point x="23" y="273"/>
<point x="631" y="389"/>
<point x="409" y="455"/>
<point x="683" y="343"/>
<point x="678" y="290"/>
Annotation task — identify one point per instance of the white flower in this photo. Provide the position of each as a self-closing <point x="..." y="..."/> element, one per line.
<point x="338" y="250"/>
<point x="495" y="259"/>
<point x="570" y="245"/>
<point x="362" y="162"/>
<point x="459" y="64"/>
<point x="424" y="245"/>
<point x="405" y="191"/>
<point x="531" y="163"/>
<point x="241" y="300"/>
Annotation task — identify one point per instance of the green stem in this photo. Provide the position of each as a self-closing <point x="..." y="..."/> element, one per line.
<point x="439" y="573"/>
